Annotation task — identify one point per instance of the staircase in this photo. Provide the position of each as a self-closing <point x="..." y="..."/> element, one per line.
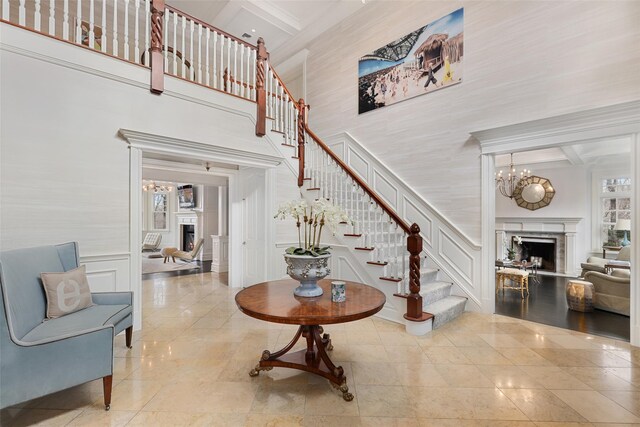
<point x="164" y="40"/>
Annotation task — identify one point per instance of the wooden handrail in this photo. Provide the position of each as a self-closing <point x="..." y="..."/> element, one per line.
<point x="211" y="27"/>
<point x="406" y="227"/>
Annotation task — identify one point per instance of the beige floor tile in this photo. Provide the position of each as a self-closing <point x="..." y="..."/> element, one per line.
<point x="533" y="340"/>
<point x="218" y="397"/>
<point x="509" y="377"/>
<point x="499" y="341"/>
<point x="630" y="400"/>
<point x="383" y="401"/>
<point x="170" y="419"/>
<point x="542" y="405"/>
<point x="322" y="399"/>
<point x="177" y="370"/>
<point x="374" y="373"/>
<point x="595" y="407"/>
<point x="484" y="356"/>
<point x="37" y="417"/>
<point x="269" y="420"/>
<point x="132" y="395"/>
<point x="331" y="421"/>
<point x="441" y="355"/>
<point x="573" y="342"/>
<point x="524" y="357"/>
<point x="359" y="353"/>
<point x="280" y="399"/>
<point x="600" y="379"/>
<point x="465" y="403"/>
<point x="409" y="354"/>
<point x="554" y="378"/>
<point x="466" y="340"/>
<point x="565" y="357"/>
<point x="420" y="375"/>
<point x="434" y="339"/>
<point x="424" y="422"/>
<point x="100" y="417"/>
<point x="465" y="376"/>
<point x="365" y="337"/>
<point x="395" y="339"/>
<point x="388" y="422"/>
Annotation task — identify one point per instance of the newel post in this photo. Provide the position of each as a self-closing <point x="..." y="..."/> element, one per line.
<point x="157" y="61"/>
<point x="302" y="120"/>
<point x="414" y="300"/>
<point x="261" y="95"/>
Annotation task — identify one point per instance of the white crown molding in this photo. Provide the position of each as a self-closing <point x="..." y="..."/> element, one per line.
<point x="184" y="148"/>
<point x="567" y="129"/>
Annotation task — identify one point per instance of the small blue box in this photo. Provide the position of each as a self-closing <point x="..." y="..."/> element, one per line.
<point x="338" y="291"/>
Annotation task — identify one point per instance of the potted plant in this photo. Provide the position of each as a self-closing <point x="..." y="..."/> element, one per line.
<point x="511" y="252"/>
<point x="308" y="262"/>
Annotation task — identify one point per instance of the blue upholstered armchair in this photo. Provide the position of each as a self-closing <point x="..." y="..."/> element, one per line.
<point x="39" y="357"/>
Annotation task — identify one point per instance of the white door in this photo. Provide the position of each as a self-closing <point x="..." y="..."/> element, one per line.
<point x="253" y="190"/>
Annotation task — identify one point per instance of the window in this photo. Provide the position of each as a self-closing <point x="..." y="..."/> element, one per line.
<point x="615" y="204"/>
<point x="160" y="208"/>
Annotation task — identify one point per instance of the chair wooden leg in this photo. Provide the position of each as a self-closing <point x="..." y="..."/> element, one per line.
<point x="106" y="388"/>
<point x="128" y="334"/>
<point x="165" y="260"/>
<point x="174" y="258"/>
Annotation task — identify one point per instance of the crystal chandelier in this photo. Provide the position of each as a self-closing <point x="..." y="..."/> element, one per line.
<point x="508" y="184"/>
<point x="153" y="186"/>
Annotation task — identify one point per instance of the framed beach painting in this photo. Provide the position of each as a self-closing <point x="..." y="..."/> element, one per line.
<point x="427" y="59"/>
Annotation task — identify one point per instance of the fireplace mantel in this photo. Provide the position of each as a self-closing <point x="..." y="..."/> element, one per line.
<point x="567" y="227"/>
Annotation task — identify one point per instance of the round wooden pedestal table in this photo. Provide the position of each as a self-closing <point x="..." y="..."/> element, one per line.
<point x="274" y="302"/>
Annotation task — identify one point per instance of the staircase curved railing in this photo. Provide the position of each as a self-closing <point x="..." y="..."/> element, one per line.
<point x="169" y="41"/>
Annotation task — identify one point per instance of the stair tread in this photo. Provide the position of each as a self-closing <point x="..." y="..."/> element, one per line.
<point x="444" y="304"/>
<point x="432" y="286"/>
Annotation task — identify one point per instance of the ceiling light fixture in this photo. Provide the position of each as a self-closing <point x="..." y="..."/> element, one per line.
<point x="155" y="187"/>
<point x="507" y="185"/>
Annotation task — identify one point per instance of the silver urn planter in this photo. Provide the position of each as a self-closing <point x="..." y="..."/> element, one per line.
<point x="307" y="270"/>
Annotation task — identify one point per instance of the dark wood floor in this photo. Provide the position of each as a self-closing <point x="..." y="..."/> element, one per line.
<point x="547" y="304"/>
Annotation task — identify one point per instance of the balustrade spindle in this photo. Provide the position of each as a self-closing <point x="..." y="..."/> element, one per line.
<point x="215" y="60"/>
<point x="175" y="43"/>
<point x="6" y="13"/>
<point x="114" y="49"/>
<point x="147" y="21"/>
<point x="65" y="20"/>
<point x="229" y="61"/>
<point x="22" y="13"/>
<point x="52" y="15"/>
<point x="103" y="37"/>
<point x="242" y="78"/>
<point x="136" y="33"/>
<point x="78" y="21"/>
<point x="126" y="30"/>
<point x="37" y="17"/>
<point x="183" y="65"/>
<point x="404" y="267"/>
<point x="248" y="69"/>
<point x="191" y="71"/>
<point x="207" y="74"/>
<point x="92" y="35"/>
<point x="167" y="14"/>
<point x="199" y="77"/>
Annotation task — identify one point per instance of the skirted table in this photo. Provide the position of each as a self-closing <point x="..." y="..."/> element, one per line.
<point x="274" y="302"/>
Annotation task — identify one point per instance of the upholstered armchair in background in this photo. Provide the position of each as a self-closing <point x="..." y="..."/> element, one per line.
<point x="597" y="264"/>
<point x="189" y="256"/>
<point x="151" y="242"/>
<point x="612" y="291"/>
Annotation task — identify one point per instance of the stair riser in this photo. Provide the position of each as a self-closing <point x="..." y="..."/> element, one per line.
<point x="435" y="295"/>
<point x="449" y="315"/>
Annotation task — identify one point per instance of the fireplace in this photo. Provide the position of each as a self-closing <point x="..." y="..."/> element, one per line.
<point x="187" y="231"/>
<point x="544" y="248"/>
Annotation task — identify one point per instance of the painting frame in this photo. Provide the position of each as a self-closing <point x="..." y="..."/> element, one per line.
<point x="420" y="62"/>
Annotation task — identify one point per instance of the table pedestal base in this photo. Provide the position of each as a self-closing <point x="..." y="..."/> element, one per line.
<point x="314" y="359"/>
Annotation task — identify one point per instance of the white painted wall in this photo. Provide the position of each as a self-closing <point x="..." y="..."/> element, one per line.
<point x="523" y="61"/>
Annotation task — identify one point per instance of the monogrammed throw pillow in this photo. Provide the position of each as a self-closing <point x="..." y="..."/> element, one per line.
<point x="66" y="292"/>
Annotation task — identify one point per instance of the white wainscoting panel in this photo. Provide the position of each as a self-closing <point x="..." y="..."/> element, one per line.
<point x="358" y="164"/>
<point x="386" y="189"/>
<point x="459" y="258"/>
<point x="107" y="273"/>
<point x="412" y="214"/>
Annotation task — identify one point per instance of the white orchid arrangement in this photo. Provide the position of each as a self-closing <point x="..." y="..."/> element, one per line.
<point x="314" y="217"/>
<point x="510" y="250"/>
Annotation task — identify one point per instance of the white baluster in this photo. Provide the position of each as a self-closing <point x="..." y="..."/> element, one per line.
<point x="235" y="67"/>
<point x="215" y="50"/>
<point x="92" y="34"/>
<point x="404" y="266"/>
<point x="114" y="50"/>
<point x="229" y="64"/>
<point x="126" y="30"/>
<point x="79" y="22"/>
<point x="252" y="64"/>
<point x="396" y="244"/>
<point x="37" y="17"/>
<point x="207" y="74"/>
<point x="22" y="13"/>
<point x="6" y="12"/>
<point x="183" y="63"/>
<point x="175" y="44"/>
<point x="192" y="70"/>
<point x="221" y="68"/>
<point x="241" y="88"/>
<point x="165" y="41"/>
<point x="136" y="34"/>
<point x="147" y="22"/>
<point x="199" y="53"/>
<point x="248" y="78"/>
<point x="103" y="38"/>
<point x="65" y="20"/>
<point x="52" y="15"/>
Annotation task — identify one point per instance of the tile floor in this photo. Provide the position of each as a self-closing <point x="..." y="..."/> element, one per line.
<point x="190" y="364"/>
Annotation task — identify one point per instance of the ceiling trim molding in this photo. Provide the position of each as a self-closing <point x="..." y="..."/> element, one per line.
<point x="180" y="147"/>
<point x="583" y="126"/>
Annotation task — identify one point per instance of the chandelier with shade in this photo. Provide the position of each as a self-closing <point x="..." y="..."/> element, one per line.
<point x="508" y="183"/>
<point x="156" y="187"/>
